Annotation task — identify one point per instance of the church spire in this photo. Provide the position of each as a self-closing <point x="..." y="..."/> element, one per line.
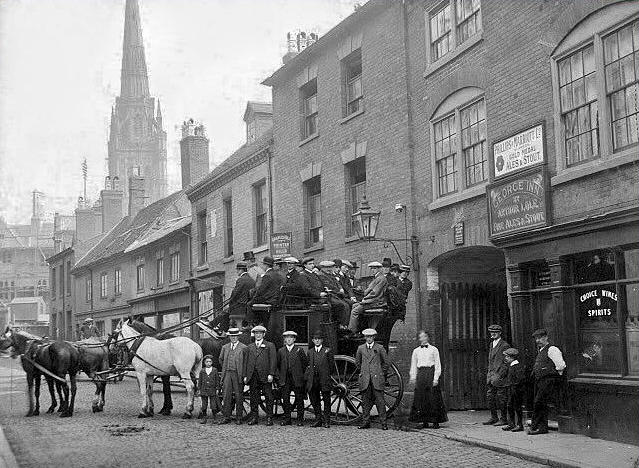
<point x="158" y="119"/>
<point x="134" y="80"/>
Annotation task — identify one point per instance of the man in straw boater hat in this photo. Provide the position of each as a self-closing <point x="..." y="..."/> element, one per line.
<point x="268" y="290"/>
<point x="88" y="329"/>
<point x="291" y="366"/>
<point x="374" y="296"/>
<point x="372" y="362"/>
<point x="232" y="364"/>
<point x="319" y="383"/>
<point x="261" y="368"/>
<point x="496" y="389"/>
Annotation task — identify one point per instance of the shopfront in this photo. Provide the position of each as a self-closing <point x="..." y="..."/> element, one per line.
<point x="580" y="281"/>
<point x="163" y="311"/>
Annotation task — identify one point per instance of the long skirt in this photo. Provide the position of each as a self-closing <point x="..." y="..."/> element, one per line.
<point x="428" y="405"/>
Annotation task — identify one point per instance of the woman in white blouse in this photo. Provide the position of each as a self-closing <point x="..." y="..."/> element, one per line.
<point x="425" y="371"/>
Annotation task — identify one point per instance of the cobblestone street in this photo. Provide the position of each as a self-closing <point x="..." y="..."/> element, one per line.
<point x="118" y="438"/>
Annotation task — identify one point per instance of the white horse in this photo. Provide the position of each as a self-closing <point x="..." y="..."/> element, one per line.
<point x="179" y="356"/>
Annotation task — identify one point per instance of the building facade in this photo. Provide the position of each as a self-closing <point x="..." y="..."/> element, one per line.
<point x="525" y="137"/>
<point x="137" y="140"/>
<point x="232" y="217"/>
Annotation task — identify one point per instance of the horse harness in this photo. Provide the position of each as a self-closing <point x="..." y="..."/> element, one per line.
<point x="133" y="352"/>
<point x="30" y="356"/>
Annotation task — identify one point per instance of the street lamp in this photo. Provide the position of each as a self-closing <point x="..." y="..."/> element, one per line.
<point x="366" y="221"/>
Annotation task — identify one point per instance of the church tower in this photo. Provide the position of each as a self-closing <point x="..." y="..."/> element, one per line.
<point x="137" y="141"/>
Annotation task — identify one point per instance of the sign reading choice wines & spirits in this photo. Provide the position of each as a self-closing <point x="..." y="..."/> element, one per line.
<point x="518" y="204"/>
<point x="520" y="151"/>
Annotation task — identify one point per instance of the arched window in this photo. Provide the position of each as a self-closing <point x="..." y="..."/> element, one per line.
<point x="458" y="143"/>
<point x="596" y="88"/>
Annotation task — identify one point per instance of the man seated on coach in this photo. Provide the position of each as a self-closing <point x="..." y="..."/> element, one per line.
<point x="340" y="309"/>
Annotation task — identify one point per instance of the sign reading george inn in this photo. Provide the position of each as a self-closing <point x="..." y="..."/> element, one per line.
<point x="520" y="151"/>
<point x="518" y="204"/>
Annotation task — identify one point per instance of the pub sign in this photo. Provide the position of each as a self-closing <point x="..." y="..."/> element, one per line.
<point x="518" y="204"/>
<point x="281" y="244"/>
<point x="519" y="152"/>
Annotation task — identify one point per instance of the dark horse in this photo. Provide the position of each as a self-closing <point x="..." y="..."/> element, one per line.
<point x="58" y="357"/>
<point x="94" y="358"/>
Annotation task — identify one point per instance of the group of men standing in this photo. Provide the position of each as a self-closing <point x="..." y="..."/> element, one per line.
<point x="330" y="280"/>
<point x="260" y="366"/>
<point x="506" y="382"/>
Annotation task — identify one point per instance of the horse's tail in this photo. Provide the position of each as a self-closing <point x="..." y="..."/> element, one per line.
<point x="197" y="364"/>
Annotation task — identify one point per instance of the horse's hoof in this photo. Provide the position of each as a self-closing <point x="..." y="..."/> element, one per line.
<point x="36" y="413"/>
<point x="66" y="414"/>
<point x="94" y="409"/>
<point x="29" y="414"/>
<point x="51" y="410"/>
<point x="143" y="415"/>
<point x="187" y="416"/>
<point x="165" y="412"/>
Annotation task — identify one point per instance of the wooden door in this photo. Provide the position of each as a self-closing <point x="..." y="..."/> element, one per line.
<point x="467" y="310"/>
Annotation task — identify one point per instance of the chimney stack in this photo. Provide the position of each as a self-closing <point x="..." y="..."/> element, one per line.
<point x="194" y="153"/>
<point x="296" y="42"/>
<point x="137" y="199"/>
<point x="88" y="220"/>
<point x="112" y="199"/>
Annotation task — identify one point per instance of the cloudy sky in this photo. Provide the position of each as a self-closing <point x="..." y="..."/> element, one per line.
<point x="60" y="72"/>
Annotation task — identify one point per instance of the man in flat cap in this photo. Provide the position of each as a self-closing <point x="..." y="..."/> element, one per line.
<point x="232" y="366"/>
<point x="515" y="382"/>
<point x="340" y="309"/>
<point x="291" y="367"/>
<point x="372" y="362"/>
<point x="261" y="368"/>
<point x="548" y="368"/>
<point x="318" y="379"/>
<point x="496" y="390"/>
<point x="268" y="291"/>
<point x="374" y="296"/>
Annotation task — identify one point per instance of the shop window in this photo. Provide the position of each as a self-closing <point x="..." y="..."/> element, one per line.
<point x="606" y="285"/>
<point x="313" y="212"/>
<point x="451" y="25"/>
<point x="597" y="87"/>
<point x="308" y="103"/>
<point x="458" y="167"/>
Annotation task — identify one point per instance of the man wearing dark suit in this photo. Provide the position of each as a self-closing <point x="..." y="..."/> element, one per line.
<point x="374" y="296"/>
<point x="496" y="378"/>
<point x="291" y="366"/>
<point x="318" y="379"/>
<point x="340" y="309"/>
<point x="403" y="283"/>
<point x="372" y="362"/>
<point x="268" y="290"/>
<point x="232" y="364"/>
<point x="241" y="292"/>
<point x="261" y="366"/>
<point x="311" y="285"/>
<point x="344" y="279"/>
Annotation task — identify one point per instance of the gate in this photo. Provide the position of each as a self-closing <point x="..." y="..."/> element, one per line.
<point x="467" y="310"/>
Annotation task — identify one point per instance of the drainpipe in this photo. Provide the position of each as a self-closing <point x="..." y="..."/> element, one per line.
<point x="269" y="159"/>
<point x="411" y="161"/>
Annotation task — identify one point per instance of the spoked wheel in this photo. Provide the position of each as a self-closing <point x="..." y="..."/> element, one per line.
<point x="346" y="401"/>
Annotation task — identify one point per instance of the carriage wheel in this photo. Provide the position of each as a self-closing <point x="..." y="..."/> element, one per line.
<point x="346" y="400"/>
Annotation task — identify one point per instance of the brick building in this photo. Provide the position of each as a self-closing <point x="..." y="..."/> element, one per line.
<point x="231" y="209"/>
<point x="533" y="106"/>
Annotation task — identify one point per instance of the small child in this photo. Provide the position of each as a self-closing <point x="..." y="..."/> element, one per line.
<point x="515" y="382"/>
<point x="208" y="385"/>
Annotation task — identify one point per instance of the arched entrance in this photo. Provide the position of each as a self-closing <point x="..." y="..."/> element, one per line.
<point x="472" y="294"/>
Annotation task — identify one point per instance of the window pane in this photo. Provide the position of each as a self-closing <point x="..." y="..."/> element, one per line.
<point x="610" y="48"/>
<point x="627" y="70"/>
<point x="618" y="107"/>
<point x="589" y="60"/>
<point x="613" y="77"/>
<point x="591" y="87"/>
<point x="566" y="97"/>
<point x="564" y="72"/>
<point x="576" y="65"/>
<point x="578" y="92"/>
<point x="619" y="134"/>
<point x="625" y="41"/>
<point x="633" y="129"/>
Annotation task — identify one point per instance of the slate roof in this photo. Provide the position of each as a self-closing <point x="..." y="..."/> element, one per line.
<point x="258" y="107"/>
<point x="158" y="231"/>
<point x="129" y="229"/>
<point x="243" y="152"/>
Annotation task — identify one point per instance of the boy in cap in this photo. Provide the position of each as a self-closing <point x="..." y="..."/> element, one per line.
<point x="291" y="366"/>
<point x="515" y="382"/>
<point x="261" y="366"/>
<point x="372" y="362"/>
<point x="318" y="379"/>
<point x="232" y="363"/>
<point x="496" y="392"/>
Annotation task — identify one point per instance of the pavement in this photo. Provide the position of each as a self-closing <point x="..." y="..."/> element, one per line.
<point x="118" y="438"/>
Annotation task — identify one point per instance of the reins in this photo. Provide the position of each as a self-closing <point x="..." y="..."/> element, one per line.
<point x="42" y="369"/>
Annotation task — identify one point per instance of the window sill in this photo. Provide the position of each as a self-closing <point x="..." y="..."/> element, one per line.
<point x="472" y="192"/>
<point x="260" y="248"/>
<point x="433" y="67"/>
<point x="174" y="283"/>
<point x="306" y="140"/>
<point x="350" y="239"/>
<point x="202" y="267"/>
<point x="314" y="248"/>
<point x="228" y="259"/>
<point x="351" y="116"/>
<point x="627" y="156"/>
<point x="155" y="288"/>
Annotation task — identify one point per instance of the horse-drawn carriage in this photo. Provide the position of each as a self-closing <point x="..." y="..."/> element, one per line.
<point x="304" y="316"/>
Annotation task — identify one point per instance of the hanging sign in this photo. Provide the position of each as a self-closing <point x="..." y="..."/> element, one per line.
<point x="518" y="204"/>
<point x="518" y="152"/>
<point x="281" y="244"/>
